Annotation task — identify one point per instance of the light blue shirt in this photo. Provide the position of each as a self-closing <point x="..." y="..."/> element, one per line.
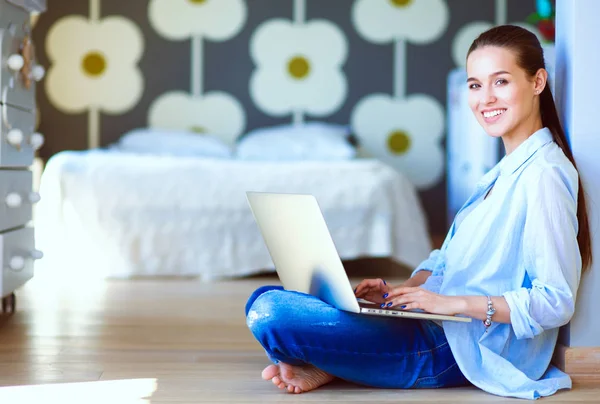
<point x="521" y="243"/>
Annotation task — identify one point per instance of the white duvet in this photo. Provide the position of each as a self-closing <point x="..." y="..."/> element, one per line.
<point x="112" y="214"/>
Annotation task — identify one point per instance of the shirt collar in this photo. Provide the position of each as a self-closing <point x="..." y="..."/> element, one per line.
<point x="511" y="163"/>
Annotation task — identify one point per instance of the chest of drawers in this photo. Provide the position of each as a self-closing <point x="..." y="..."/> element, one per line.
<point x="19" y="141"/>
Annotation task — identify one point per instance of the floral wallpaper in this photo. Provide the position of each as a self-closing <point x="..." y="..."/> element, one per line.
<point x="385" y="123"/>
<point x="197" y="21"/>
<point x="299" y="66"/>
<point x="228" y="66"/>
<point x="93" y="66"/>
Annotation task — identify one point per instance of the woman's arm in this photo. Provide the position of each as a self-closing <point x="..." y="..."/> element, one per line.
<point x="477" y="307"/>
<point x="429" y="268"/>
<point x="418" y="279"/>
<point x="551" y="254"/>
<point x="428" y="264"/>
<point x="471" y="306"/>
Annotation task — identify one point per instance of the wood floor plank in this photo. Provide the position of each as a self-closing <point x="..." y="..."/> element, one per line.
<point x="175" y="341"/>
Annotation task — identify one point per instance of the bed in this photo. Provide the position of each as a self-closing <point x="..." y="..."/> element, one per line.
<point x="117" y="214"/>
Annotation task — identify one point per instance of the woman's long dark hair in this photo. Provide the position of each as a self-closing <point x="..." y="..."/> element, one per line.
<point x="530" y="57"/>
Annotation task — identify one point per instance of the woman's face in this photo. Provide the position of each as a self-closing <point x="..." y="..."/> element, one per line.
<point x="501" y="95"/>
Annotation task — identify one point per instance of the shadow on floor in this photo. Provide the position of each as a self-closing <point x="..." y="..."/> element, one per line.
<point x="365" y="268"/>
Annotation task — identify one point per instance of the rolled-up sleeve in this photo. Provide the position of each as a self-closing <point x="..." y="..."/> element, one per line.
<point x="436" y="267"/>
<point x="429" y="264"/>
<point x="551" y="255"/>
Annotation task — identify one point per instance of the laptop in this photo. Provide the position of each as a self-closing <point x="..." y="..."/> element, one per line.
<point x="305" y="257"/>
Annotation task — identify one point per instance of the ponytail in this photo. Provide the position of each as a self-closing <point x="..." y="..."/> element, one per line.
<point x="551" y="120"/>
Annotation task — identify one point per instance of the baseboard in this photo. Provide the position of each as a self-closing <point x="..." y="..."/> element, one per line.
<point x="581" y="363"/>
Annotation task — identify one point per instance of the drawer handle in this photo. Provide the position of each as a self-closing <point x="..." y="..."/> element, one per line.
<point x="14" y="137"/>
<point x="34" y="197"/>
<point x="36" y="140"/>
<point x="38" y="72"/>
<point x="13" y="200"/>
<point x="17" y="263"/>
<point x="15" y="62"/>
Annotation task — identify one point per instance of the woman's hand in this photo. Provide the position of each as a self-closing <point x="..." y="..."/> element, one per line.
<point x="409" y="298"/>
<point x="373" y="290"/>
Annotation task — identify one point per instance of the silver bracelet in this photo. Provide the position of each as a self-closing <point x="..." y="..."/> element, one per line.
<point x="490" y="312"/>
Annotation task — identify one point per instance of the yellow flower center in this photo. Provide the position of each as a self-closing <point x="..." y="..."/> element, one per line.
<point x="299" y="67"/>
<point x="198" y="129"/>
<point x="197" y="2"/>
<point x="400" y="3"/>
<point x="94" y="64"/>
<point x="399" y="142"/>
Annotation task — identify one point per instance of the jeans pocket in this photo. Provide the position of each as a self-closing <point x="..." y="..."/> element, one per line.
<point x="451" y="377"/>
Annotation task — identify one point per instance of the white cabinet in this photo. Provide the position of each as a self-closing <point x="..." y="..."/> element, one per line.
<point x="19" y="73"/>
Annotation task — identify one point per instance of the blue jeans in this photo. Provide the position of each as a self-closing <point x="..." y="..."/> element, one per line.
<point x="299" y="329"/>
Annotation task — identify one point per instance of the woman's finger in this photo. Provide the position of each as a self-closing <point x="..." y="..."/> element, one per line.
<point x="369" y="284"/>
<point x="364" y="291"/>
<point x="410" y="306"/>
<point x="403" y="300"/>
<point x="403" y="290"/>
<point x="362" y="286"/>
<point x="370" y="292"/>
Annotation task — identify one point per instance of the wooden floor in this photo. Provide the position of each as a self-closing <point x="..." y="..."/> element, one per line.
<point x="167" y="341"/>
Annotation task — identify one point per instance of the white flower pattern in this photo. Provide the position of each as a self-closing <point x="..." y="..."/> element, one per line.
<point x="217" y="20"/>
<point x="214" y="113"/>
<point x="88" y="69"/>
<point x="299" y="67"/>
<point x="404" y="133"/>
<point x="417" y="21"/>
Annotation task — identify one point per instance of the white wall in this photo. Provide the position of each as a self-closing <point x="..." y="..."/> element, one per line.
<point x="578" y="102"/>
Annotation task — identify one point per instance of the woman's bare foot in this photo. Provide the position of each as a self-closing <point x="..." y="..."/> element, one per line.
<point x="296" y="379"/>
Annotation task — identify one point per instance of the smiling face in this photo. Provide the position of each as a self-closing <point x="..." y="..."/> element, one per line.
<point x="503" y="98"/>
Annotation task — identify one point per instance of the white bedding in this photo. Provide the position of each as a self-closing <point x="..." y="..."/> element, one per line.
<point x="112" y="214"/>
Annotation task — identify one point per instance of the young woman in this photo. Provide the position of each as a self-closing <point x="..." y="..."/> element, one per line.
<point x="511" y="260"/>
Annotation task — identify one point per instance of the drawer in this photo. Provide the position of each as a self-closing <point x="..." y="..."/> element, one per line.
<point x="30" y="5"/>
<point x="19" y="70"/>
<point x="17" y="250"/>
<point x="10" y="12"/>
<point x="17" y="198"/>
<point x="18" y="141"/>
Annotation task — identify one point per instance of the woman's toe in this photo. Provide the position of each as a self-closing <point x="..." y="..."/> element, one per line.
<point x="269" y="372"/>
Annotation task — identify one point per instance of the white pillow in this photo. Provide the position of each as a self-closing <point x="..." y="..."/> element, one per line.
<point x="173" y="143"/>
<point x="309" y="141"/>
